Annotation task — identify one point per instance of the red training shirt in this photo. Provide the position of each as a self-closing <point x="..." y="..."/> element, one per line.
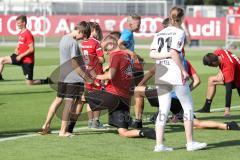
<point x="230" y="66"/>
<point x="91" y="50"/>
<point x="24" y="40"/>
<point x="122" y="81"/>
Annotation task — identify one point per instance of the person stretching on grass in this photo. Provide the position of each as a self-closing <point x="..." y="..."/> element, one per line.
<point x="24" y="53"/>
<point x="176" y="107"/>
<point x="116" y="97"/>
<point x="229" y="75"/>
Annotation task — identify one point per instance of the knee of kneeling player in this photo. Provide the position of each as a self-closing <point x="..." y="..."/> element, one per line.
<point x="1" y="61"/>
<point x="211" y="80"/>
<point x="122" y="132"/>
<point x="197" y="124"/>
<point x="29" y="82"/>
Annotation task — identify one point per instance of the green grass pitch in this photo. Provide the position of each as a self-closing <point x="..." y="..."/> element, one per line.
<point x="23" y="110"/>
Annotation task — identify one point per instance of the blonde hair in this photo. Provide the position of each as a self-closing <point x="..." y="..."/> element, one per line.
<point x="109" y="42"/>
<point x="176" y="15"/>
<point x="133" y="17"/>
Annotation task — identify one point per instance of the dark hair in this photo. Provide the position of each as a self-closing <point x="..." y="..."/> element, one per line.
<point x="165" y="22"/>
<point x="116" y="34"/>
<point x="95" y="26"/>
<point x="84" y="28"/>
<point x="209" y="59"/>
<point x="23" y="18"/>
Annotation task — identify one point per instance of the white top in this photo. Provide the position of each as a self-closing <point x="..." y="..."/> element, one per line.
<point x="167" y="71"/>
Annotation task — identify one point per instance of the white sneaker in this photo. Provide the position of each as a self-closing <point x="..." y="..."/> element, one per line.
<point x="161" y="148"/>
<point x="195" y="146"/>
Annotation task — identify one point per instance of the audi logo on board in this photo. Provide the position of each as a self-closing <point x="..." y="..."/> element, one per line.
<point x="201" y="28"/>
<point x="38" y="25"/>
<point x="149" y="26"/>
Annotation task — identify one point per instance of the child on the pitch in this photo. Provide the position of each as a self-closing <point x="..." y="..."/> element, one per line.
<point x="70" y="85"/>
<point x="94" y="58"/>
<point x="96" y="36"/>
<point x="171" y="76"/>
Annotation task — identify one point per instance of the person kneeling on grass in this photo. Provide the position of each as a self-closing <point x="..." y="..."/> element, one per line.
<point x="24" y="54"/>
<point x="229" y="75"/>
<point x="176" y="107"/>
<point x="116" y="97"/>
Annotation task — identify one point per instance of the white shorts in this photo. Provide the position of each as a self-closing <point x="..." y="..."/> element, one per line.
<point x="167" y="72"/>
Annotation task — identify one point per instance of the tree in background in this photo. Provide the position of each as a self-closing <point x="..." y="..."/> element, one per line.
<point x="194" y="2"/>
<point x="211" y="2"/>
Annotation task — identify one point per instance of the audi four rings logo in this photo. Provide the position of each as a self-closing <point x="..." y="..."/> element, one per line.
<point x="149" y="26"/>
<point x="41" y="25"/>
<point x="38" y="25"/>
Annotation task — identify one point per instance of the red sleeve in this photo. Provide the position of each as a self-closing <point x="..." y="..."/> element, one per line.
<point x="191" y="70"/>
<point x="225" y="67"/>
<point x="99" y="50"/>
<point x="29" y="38"/>
<point x="114" y="61"/>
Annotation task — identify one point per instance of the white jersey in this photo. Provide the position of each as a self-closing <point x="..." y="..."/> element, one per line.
<point x="167" y="71"/>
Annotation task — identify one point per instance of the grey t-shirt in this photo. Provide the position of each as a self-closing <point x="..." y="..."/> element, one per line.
<point x="68" y="49"/>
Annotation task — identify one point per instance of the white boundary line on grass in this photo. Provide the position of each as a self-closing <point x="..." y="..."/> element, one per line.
<point x="222" y="109"/>
<point x="30" y="134"/>
<point x="18" y="137"/>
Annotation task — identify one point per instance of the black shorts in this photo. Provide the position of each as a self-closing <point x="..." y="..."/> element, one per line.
<point x="118" y="107"/>
<point x="176" y="106"/>
<point x="151" y="94"/>
<point x="27" y="68"/>
<point x="138" y="76"/>
<point x="235" y="87"/>
<point x="120" y="117"/>
<point x="14" y="60"/>
<point x="70" y="90"/>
